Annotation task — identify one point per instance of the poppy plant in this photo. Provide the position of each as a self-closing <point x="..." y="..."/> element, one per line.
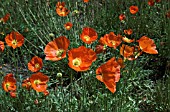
<point x="68" y="25"/>
<point x="130" y="53"/>
<point x="5" y="18"/>
<point x="147" y="45"/>
<point x="109" y="74"/>
<point x="81" y="58"/>
<point x="35" y="64"/>
<point x="9" y="83"/>
<point x="56" y="49"/>
<point x="26" y="84"/>
<point x="128" y="31"/>
<point x="2" y="47"/>
<point x="88" y="35"/>
<point x="122" y="17"/>
<point x="133" y="9"/>
<point x="13" y="94"/>
<point x="61" y="10"/>
<point x="111" y="40"/>
<point x="14" y="39"/>
<point x="151" y="2"/>
<point x="38" y="82"/>
<point x="127" y="52"/>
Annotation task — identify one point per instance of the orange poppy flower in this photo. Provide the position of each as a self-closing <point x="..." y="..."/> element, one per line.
<point x="122" y="17"/>
<point x="147" y="45"/>
<point x="81" y="58"/>
<point x="13" y="94"/>
<point x="88" y="35"/>
<point x="9" y="83"/>
<point x="112" y="40"/>
<point x="109" y="74"/>
<point x="14" y="39"/>
<point x="130" y="53"/>
<point x="62" y="11"/>
<point x="133" y="9"/>
<point x="5" y="18"/>
<point x="38" y="82"/>
<point x="35" y="64"/>
<point x="60" y="5"/>
<point x="86" y="0"/>
<point x="56" y="49"/>
<point x="2" y="46"/>
<point x="26" y="84"/>
<point x="46" y="93"/>
<point x="127" y="52"/>
<point x="125" y="39"/>
<point x="103" y="40"/>
<point x="128" y="31"/>
<point x="68" y="25"/>
<point x="151" y="2"/>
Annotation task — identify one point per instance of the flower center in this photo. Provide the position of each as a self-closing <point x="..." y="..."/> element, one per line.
<point x="37" y="65"/>
<point x="67" y="27"/>
<point x="14" y="42"/>
<point x="77" y="62"/>
<point x="59" y="53"/>
<point x="37" y="82"/>
<point x="63" y="12"/>
<point x="113" y="42"/>
<point x="60" y="6"/>
<point x="7" y="85"/>
<point x="86" y="37"/>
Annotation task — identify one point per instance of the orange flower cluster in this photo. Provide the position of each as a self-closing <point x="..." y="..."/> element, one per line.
<point x="9" y="84"/>
<point x="79" y="59"/>
<point x="61" y="10"/>
<point x="133" y="10"/>
<point x="109" y="73"/>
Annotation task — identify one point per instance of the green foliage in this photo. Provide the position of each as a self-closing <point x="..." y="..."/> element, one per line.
<point x="139" y="89"/>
